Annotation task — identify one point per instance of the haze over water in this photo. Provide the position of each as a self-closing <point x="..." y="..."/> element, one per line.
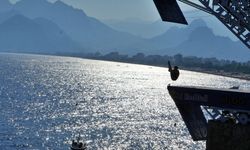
<point x="45" y="101"/>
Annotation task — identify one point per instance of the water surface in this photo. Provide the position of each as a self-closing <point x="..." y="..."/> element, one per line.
<point x="45" y="101"/>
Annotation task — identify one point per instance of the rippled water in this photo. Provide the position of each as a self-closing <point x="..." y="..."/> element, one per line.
<point x="46" y="101"/>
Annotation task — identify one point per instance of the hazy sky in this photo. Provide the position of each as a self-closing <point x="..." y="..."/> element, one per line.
<point x="118" y="9"/>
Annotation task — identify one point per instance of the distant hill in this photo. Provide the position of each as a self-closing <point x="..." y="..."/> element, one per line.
<point x="8" y="14"/>
<point x="170" y="39"/>
<point x="203" y="43"/>
<point x="212" y="22"/>
<point x="88" y="31"/>
<point x="144" y="29"/>
<point x="21" y="34"/>
<point x="175" y="35"/>
<point x="196" y="40"/>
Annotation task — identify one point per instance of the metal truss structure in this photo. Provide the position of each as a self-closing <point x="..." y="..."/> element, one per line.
<point x="234" y="14"/>
<point x="224" y="115"/>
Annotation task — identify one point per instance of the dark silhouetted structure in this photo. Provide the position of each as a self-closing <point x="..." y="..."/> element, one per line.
<point x="234" y="14"/>
<point x="220" y="116"/>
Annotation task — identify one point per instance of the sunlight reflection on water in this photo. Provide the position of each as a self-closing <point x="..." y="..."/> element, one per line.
<point x="46" y="101"/>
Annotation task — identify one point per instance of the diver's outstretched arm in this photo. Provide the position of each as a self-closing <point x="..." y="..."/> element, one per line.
<point x="169" y="66"/>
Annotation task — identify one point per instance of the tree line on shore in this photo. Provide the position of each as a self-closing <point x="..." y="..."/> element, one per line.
<point x="187" y="62"/>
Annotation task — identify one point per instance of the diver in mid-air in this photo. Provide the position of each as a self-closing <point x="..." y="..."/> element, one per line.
<point x="174" y="73"/>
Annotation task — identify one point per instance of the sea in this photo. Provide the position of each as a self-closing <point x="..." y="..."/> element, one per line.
<point x="47" y="101"/>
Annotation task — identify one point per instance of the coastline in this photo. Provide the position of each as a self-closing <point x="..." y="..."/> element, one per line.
<point x="238" y="75"/>
<point x="235" y="75"/>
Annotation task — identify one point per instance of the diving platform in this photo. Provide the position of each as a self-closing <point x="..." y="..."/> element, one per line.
<point x="199" y="105"/>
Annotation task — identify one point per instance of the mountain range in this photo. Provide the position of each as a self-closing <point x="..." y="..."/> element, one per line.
<point x="86" y="30"/>
<point x="150" y="29"/>
<point x="141" y="28"/>
<point x="39" y="26"/>
<point x="21" y="34"/>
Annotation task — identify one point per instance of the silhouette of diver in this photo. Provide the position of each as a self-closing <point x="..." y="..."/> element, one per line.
<point x="174" y="73"/>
